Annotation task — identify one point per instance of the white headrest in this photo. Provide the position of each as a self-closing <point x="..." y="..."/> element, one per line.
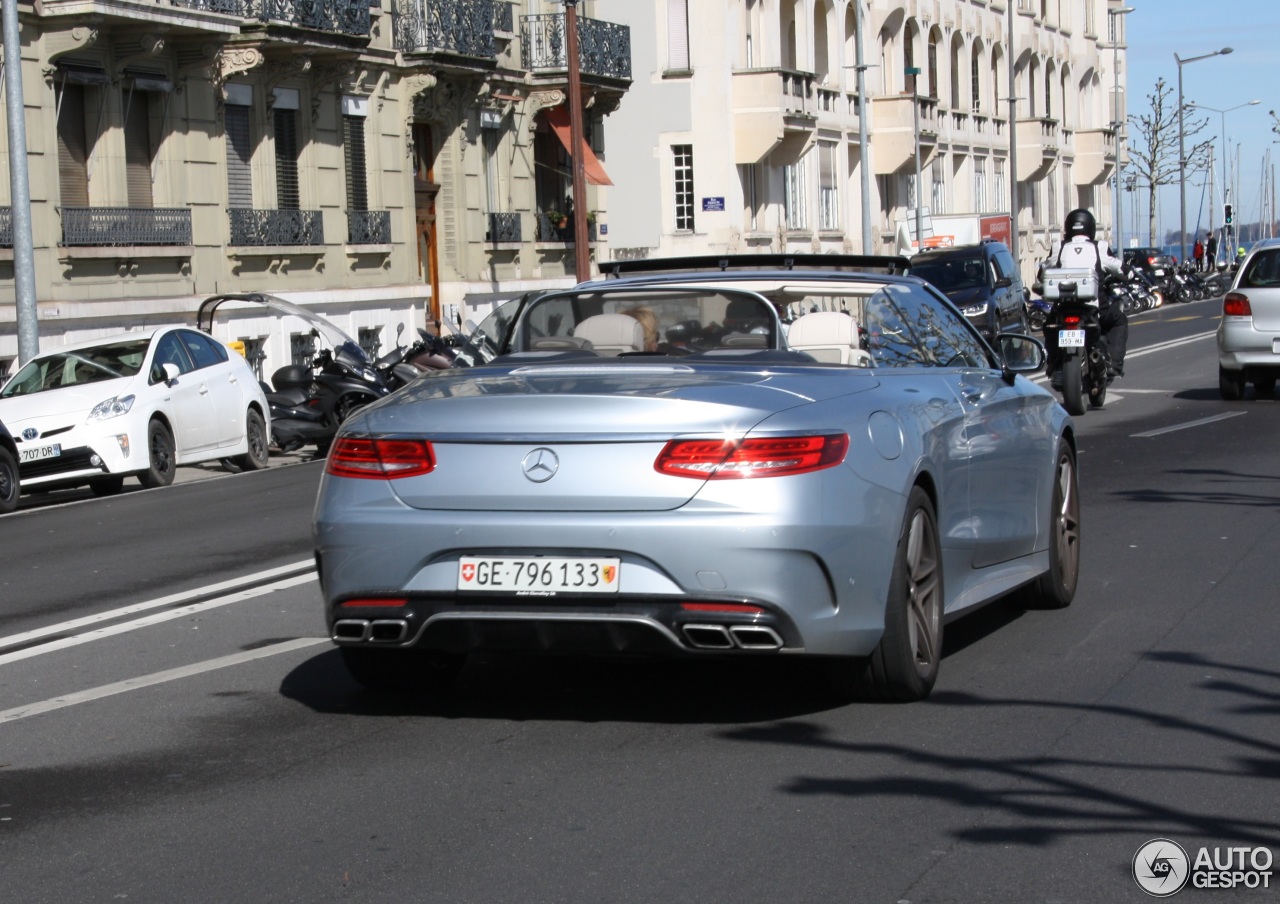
<point x="610" y="334"/>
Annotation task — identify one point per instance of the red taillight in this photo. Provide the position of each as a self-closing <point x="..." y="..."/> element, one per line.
<point x="1236" y="305"/>
<point x="714" y="459"/>
<point x="1151" y="261"/>
<point x="722" y="607"/>
<point x="374" y="603"/>
<point x="1071" y="321"/>
<point x="380" y="459"/>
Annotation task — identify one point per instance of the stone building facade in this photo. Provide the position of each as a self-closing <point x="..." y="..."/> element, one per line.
<point x="750" y="121"/>
<point x="383" y="161"/>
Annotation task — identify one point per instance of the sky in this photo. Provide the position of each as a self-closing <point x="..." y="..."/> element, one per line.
<point x="1157" y="29"/>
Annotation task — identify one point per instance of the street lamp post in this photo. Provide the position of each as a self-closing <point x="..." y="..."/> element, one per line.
<point x="1119" y="125"/>
<point x="581" y="248"/>
<point x="1182" y="154"/>
<point x="1227" y="230"/>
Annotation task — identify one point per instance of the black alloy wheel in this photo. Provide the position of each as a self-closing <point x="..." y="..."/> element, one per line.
<point x="255" y="432"/>
<point x="904" y="666"/>
<point x="1056" y="588"/>
<point x="162" y="457"/>
<point x="10" y="486"/>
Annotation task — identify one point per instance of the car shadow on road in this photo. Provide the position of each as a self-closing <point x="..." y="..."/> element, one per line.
<point x="1036" y="797"/>
<point x="717" y="690"/>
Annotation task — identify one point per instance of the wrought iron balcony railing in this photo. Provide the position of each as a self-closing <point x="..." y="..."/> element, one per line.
<point x="463" y="27"/>
<point x="504" y="17"/>
<point x="552" y="232"/>
<point x="349" y="17"/>
<point x="242" y="8"/>
<point x="275" y="227"/>
<point x="105" y="226"/>
<point x="604" y="48"/>
<point x="6" y="227"/>
<point x="368" y="227"/>
<point x="503" y="227"/>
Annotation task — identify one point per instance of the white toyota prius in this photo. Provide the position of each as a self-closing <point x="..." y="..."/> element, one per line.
<point x="140" y="404"/>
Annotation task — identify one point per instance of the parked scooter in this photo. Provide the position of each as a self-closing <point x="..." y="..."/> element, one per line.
<point x="404" y="364"/>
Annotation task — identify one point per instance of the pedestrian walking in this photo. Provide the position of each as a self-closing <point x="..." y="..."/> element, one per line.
<point x="1198" y="253"/>
<point x="1211" y="252"/>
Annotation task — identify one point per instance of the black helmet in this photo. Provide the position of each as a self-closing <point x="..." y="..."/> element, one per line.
<point x="1080" y="222"/>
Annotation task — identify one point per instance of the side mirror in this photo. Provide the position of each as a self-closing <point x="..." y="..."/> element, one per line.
<point x="399" y="330"/>
<point x="164" y="373"/>
<point x="1004" y="282"/>
<point x="1020" y="354"/>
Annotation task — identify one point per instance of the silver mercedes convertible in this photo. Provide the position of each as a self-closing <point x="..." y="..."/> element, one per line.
<point x="737" y="457"/>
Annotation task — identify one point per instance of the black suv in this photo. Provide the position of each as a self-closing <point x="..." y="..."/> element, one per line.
<point x="981" y="280"/>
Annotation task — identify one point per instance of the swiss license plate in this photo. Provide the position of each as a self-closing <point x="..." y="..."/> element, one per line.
<point x="39" y="453"/>
<point x="538" y="576"/>
<point x="1070" y="338"/>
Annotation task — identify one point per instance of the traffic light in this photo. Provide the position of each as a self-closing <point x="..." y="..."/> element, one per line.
<point x="1226" y="214"/>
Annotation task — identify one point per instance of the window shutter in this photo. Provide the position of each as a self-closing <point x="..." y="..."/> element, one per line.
<point x="137" y="149"/>
<point x="678" y="34"/>
<point x="354" y="153"/>
<point x="73" y="148"/>
<point x="239" y="153"/>
<point x="287" y="197"/>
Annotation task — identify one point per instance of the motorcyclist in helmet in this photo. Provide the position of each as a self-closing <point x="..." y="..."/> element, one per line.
<point x="1080" y="247"/>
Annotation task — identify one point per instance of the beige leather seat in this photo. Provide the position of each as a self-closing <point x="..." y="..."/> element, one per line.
<point x="829" y="336"/>
<point x="612" y="334"/>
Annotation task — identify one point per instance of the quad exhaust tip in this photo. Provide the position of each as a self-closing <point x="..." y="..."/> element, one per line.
<point x="358" y="630"/>
<point x="729" y="637"/>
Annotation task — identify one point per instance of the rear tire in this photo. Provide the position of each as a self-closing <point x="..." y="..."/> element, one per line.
<point x="255" y="432"/>
<point x="1231" y="384"/>
<point x="1056" y="588"/>
<point x="904" y="666"/>
<point x="400" y="671"/>
<point x="10" y="485"/>
<point x="162" y="457"/>
<point x="1098" y="393"/>
<point x="1073" y="385"/>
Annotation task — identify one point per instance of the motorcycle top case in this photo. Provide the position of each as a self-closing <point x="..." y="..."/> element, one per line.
<point x="1086" y="282"/>
<point x="291" y="376"/>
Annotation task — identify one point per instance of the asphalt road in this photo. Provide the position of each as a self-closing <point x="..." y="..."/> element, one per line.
<point x="175" y="727"/>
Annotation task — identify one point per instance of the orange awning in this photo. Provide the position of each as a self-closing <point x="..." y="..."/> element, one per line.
<point x="558" y="118"/>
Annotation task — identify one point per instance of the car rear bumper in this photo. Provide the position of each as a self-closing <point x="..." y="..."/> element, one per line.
<point x="820" y="588"/>
<point x="1241" y="345"/>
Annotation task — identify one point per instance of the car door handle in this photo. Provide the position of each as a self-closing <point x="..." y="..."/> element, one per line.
<point x="204" y="390"/>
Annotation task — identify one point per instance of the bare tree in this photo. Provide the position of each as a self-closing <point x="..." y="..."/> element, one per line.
<point x="1153" y="150"/>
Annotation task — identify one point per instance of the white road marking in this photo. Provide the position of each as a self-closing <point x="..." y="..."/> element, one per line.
<point x="1173" y="343"/>
<point x="133" y="684"/>
<point x="14" y="640"/>
<point x="1201" y="422"/>
<point x="154" y="619"/>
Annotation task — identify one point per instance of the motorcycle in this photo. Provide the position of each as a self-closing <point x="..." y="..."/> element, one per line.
<point x="404" y="364"/>
<point x="309" y="402"/>
<point x="1037" y="312"/>
<point x="1082" y="350"/>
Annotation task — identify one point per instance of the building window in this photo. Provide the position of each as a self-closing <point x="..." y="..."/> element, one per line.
<point x="828" y="189"/>
<point x="752" y="195"/>
<point x="975" y="83"/>
<point x="979" y="184"/>
<point x="255" y="353"/>
<point x="76" y="140"/>
<point x="139" y="153"/>
<point x="796" y="193"/>
<point x="239" y="136"/>
<point x="302" y="349"/>
<point x="938" y="195"/>
<point x="1051" y="186"/>
<point x="933" y="65"/>
<point x="678" y="35"/>
<point x="285" y="122"/>
<point x="1001" y="191"/>
<point x="682" y="157"/>
<point x="370" y="339"/>
<point x="354" y="111"/>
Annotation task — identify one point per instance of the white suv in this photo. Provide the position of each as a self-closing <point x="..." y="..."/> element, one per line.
<point x="1249" y="332"/>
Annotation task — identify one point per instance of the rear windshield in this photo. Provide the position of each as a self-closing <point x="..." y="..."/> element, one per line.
<point x="77" y="368"/>
<point x="1262" y="271"/>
